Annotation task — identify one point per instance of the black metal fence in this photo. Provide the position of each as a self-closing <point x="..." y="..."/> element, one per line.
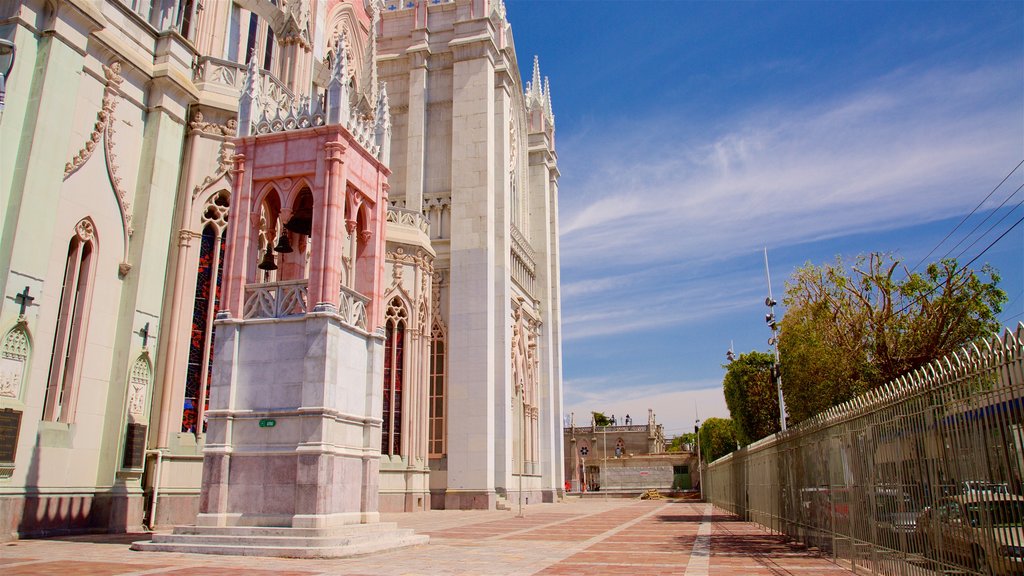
<point x="924" y="475"/>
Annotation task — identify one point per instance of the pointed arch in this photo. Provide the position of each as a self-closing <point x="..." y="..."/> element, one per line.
<point x="15" y="349"/>
<point x="438" y="374"/>
<point x="396" y="323"/>
<point x="205" y="304"/>
<point x="72" y="324"/>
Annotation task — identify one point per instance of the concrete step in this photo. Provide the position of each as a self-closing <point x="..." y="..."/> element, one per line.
<point x="276" y="541"/>
<point x="337" y="542"/>
<point x="271" y="531"/>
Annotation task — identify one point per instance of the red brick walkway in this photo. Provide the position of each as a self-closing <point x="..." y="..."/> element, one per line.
<point x="576" y="537"/>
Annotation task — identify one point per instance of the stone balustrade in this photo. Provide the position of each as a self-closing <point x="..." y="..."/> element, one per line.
<point x="352" y="308"/>
<point x="411" y="218"/>
<point x="225" y="73"/>
<point x="276" y="299"/>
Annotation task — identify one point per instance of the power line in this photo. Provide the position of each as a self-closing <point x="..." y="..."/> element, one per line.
<point x="991" y="228"/>
<point x="965" y="267"/>
<point x="964" y="219"/>
<point x="990" y="214"/>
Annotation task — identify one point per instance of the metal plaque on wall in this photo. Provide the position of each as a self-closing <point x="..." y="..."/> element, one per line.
<point x="10" y="426"/>
<point x="134" y="446"/>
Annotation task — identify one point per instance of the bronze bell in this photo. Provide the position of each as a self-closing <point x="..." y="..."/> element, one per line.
<point x="284" y="246"/>
<point x="268" y="261"/>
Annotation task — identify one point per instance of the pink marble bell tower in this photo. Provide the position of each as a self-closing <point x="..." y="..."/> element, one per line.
<point x="293" y="439"/>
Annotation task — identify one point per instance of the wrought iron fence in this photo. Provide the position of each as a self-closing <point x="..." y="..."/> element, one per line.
<point x="924" y="475"/>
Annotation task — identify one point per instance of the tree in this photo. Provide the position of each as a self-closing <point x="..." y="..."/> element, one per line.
<point x="601" y="420"/>
<point x="752" y="396"/>
<point x="850" y="329"/>
<point x="717" y="438"/>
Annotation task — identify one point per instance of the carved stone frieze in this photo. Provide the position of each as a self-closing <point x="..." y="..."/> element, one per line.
<point x="103" y="130"/>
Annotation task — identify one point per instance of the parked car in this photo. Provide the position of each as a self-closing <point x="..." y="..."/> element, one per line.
<point x="972" y="486"/>
<point x="896" y="516"/>
<point x="981" y="530"/>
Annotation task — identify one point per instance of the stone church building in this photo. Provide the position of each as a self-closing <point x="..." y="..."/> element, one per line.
<point x="190" y="190"/>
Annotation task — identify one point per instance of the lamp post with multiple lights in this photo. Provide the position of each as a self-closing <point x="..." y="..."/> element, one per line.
<point x="769" y="318"/>
<point x="7" y="52"/>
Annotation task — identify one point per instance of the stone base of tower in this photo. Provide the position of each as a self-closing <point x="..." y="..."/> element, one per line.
<point x="470" y="500"/>
<point x="336" y="542"/>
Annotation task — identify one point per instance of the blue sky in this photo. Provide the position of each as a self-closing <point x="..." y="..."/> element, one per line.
<point x="691" y="135"/>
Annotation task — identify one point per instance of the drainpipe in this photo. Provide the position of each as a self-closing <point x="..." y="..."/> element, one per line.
<point x="156" y="486"/>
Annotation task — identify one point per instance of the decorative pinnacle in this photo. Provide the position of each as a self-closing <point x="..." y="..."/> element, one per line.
<point x="535" y="82"/>
<point x="340" y="70"/>
<point x="383" y="114"/>
<point x="547" y="101"/>
<point x="251" y="85"/>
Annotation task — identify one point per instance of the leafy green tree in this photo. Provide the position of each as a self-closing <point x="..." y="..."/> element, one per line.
<point x="849" y="329"/>
<point x="752" y="396"/>
<point x="601" y="420"/>
<point x="717" y="438"/>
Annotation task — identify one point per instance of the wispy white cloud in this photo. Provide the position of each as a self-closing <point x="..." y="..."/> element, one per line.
<point x="652" y="200"/>
<point x="919" y="146"/>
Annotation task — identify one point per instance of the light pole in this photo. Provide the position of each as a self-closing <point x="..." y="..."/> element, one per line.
<point x="7" y="52"/>
<point x="774" y="341"/>
<point x="700" y="465"/>
<point x="604" y="468"/>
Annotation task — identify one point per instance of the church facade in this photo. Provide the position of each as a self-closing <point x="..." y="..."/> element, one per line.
<point x="118" y="178"/>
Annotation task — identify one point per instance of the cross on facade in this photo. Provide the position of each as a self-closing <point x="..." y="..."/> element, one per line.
<point x="144" y="332"/>
<point x="24" y="299"/>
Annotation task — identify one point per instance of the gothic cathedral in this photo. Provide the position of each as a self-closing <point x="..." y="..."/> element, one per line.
<point x="255" y="251"/>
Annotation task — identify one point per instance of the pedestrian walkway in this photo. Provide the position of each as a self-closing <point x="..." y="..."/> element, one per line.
<point x="631" y="537"/>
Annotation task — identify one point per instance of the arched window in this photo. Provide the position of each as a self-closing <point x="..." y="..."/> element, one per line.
<point x="437" y="389"/>
<point x="396" y="321"/>
<point x="199" y="371"/>
<point x="72" y="324"/>
<point x="620" y="448"/>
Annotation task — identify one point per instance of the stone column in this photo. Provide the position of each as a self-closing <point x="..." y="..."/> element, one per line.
<point x="472" y="326"/>
<point x="236" y="258"/>
<point x="416" y="131"/>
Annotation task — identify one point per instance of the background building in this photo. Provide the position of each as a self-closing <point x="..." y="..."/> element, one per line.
<point x="116" y="183"/>
<point x="625" y="458"/>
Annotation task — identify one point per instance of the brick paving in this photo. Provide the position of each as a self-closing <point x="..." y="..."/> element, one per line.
<point x="628" y="537"/>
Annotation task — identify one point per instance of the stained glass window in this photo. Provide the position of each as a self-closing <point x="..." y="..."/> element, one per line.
<point x="394" y="364"/>
<point x="199" y="372"/>
<point x="437" y="386"/>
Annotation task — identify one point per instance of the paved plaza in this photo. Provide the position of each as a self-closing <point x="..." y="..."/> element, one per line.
<point x="592" y="536"/>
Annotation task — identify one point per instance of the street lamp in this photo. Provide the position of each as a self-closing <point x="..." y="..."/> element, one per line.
<point x="769" y="318"/>
<point x="700" y="466"/>
<point x="7" y="51"/>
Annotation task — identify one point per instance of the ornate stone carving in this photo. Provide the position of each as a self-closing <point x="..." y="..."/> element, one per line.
<point x="103" y="118"/>
<point x="85" y="231"/>
<point x="103" y="130"/>
<point x="13" y="357"/>
<point x="227" y="129"/>
<point x="138" y="383"/>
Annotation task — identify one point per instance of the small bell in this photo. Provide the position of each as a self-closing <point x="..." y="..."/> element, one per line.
<point x="284" y="246"/>
<point x="268" y="261"/>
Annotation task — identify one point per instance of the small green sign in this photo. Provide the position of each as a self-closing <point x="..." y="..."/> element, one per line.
<point x="268" y="423"/>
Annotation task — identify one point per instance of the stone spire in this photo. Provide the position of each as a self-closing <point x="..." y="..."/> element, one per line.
<point x="370" y="75"/>
<point x="547" y="102"/>
<point x="534" y="90"/>
<point x="249" y="100"/>
<point x="338" y="98"/>
<point x="382" y="126"/>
